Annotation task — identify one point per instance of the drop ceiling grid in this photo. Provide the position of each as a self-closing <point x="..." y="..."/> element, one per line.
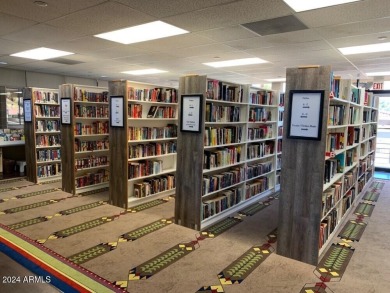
<point x="102" y="18"/>
<point x="10" y="23"/>
<point x="230" y="14"/>
<point x="346" y="13"/>
<point x="55" y="9"/>
<point x="172" y="7"/>
<point x="41" y="35"/>
<point x="360" y="28"/>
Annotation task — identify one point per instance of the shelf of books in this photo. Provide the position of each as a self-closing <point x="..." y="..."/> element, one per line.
<point x="43" y="136"/>
<point x="349" y="157"/>
<point x="85" y="148"/>
<point x="143" y="164"/>
<point x="279" y="141"/>
<point x="239" y="147"/>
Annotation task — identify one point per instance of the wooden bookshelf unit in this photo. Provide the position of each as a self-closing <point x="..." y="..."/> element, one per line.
<point x="317" y="197"/>
<point x="85" y="148"/>
<point x="143" y="151"/>
<point x="231" y="163"/>
<point x="43" y="135"/>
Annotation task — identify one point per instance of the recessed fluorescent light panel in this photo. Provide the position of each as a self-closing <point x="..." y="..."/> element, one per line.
<point x="41" y="54"/>
<point x="304" y="5"/>
<point x="373" y="48"/>
<point x="141" y="33"/>
<point x="3" y="63"/>
<point x="383" y="73"/>
<point x="236" y="62"/>
<point x="276" y="80"/>
<point x="144" y="71"/>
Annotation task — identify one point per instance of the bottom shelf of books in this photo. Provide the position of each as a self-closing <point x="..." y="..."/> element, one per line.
<point x="339" y="199"/>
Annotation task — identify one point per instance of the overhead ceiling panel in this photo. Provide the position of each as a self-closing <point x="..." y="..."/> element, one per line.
<point x="102" y="18"/>
<point x="201" y="50"/>
<point x="173" y="43"/>
<point x="302" y="36"/>
<point x="229" y="33"/>
<point x="250" y="43"/>
<point x="41" y="35"/>
<point x="230" y="14"/>
<point x="172" y="7"/>
<point x="359" y="40"/>
<point x="9" y="24"/>
<point x="145" y="58"/>
<point x="220" y="57"/>
<point x="55" y="9"/>
<point x="356" y="28"/>
<point x="117" y="52"/>
<point x="346" y="13"/>
<point x="85" y="45"/>
<point x="9" y="47"/>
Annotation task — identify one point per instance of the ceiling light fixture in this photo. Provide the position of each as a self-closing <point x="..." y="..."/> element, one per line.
<point x="383" y="73"/>
<point x="144" y="71"/>
<point x="236" y="62"/>
<point x="304" y="5"/>
<point x="141" y="33"/>
<point x="41" y="3"/>
<point x="373" y="48"/>
<point x="3" y="63"/>
<point x="41" y="54"/>
<point x="276" y="79"/>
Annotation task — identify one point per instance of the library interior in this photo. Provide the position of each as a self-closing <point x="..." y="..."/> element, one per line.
<point x="194" y="146"/>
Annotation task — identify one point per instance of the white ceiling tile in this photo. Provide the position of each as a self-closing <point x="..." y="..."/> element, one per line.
<point x="9" y="24"/>
<point x="171" y="7"/>
<point x="307" y="35"/>
<point x="356" y="28"/>
<point x="247" y="44"/>
<point x="28" y="10"/>
<point x="214" y="49"/>
<point x="347" y="13"/>
<point x="233" y="13"/>
<point x="220" y="57"/>
<point x="116" y="52"/>
<point x="9" y="47"/>
<point x="229" y="33"/>
<point x="102" y="18"/>
<point x="84" y="45"/>
<point x="145" y="58"/>
<point x="172" y="43"/>
<point x="41" y="35"/>
<point x="359" y="40"/>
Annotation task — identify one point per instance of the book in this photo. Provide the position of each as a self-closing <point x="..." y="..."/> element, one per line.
<point x="152" y="111"/>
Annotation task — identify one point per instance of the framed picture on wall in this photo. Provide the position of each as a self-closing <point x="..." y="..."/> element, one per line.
<point x="191" y="113"/>
<point x="66" y="110"/>
<point x="305" y="114"/>
<point x="27" y="110"/>
<point x="117" y="114"/>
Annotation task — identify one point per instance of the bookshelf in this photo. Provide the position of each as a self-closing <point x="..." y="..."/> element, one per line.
<point x="43" y="135"/>
<point x="143" y="151"/>
<point x="85" y="147"/>
<point x="317" y="199"/>
<point x="231" y="163"/>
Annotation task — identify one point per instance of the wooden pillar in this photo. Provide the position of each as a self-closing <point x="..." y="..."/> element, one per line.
<point x="302" y="174"/>
<point x="119" y="151"/>
<point x="189" y="170"/>
<point x="30" y="141"/>
<point x="67" y="144"/>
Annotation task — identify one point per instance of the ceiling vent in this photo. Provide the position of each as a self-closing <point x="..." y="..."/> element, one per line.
<point x="277" y="25"/>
